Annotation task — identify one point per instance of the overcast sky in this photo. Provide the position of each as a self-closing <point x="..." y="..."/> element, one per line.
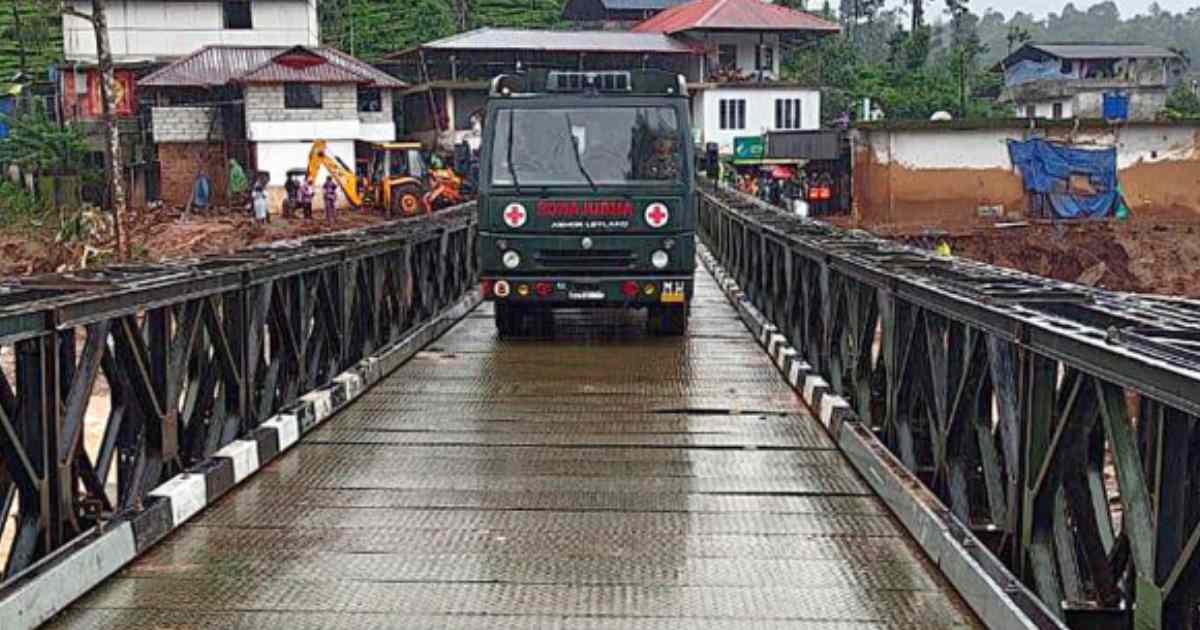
<point x="1041" y="7"/>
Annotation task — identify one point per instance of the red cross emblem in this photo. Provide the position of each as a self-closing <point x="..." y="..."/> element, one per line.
<point x="515" y="215"/>
<point x="657" y="215"/>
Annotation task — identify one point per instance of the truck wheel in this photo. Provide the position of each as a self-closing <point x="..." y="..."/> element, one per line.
<point x="406" y="201"/>
<point x="508" y="319"/>
<point x="667" y="321"/>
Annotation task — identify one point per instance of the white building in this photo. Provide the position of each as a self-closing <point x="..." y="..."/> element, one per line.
<point x="164" y="30"/>
<point x="741" y="44"/>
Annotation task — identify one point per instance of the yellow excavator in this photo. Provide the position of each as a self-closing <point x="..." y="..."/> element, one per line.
<point x="395" y="182"/>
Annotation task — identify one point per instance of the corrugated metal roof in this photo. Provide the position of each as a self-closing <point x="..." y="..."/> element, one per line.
<point x="214" y="66"/>
<point x="733" y="15"/>
<point x="1103" y="51"/>
<point x="582" y="41"/>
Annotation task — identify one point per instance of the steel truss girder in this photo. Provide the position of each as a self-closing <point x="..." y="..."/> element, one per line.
<point x="1058" y="422"/>
<point x="193" y="354"/>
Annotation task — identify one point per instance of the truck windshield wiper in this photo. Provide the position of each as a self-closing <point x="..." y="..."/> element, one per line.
<point x="512" y="170"/>
<point x="575" y="152"/>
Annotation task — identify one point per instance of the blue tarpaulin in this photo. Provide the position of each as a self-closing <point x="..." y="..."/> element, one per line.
<point x="1047" y="169"/>
<point x="1028" y="71"/>
<point x="6" y="110"/>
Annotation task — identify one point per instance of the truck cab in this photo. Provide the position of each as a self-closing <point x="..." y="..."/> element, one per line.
<point x="587" y="196"/>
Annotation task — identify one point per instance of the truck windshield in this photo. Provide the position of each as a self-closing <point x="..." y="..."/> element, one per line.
<point x="611" y="146"/>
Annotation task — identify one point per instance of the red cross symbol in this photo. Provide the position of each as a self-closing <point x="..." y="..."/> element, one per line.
<point x="656" y="215"/>
<point x="514" y="215"/>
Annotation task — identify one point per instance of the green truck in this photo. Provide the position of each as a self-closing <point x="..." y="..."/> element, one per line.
<point x="587" y="196"/>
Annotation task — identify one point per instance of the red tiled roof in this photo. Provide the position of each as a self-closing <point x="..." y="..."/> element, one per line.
<point x="213" y="66"/>
<point x="733" y="15"/>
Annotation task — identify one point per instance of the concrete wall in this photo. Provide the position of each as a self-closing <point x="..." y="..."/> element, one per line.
<point x="143" y="30"/>
<point x="183" y="124"/>
<point x="760" y="111"/>
<point x="1144" y="105"/>
<point x="278" y="157"/>
<point x="338" y="117"/>
<point x="943" y="174"/>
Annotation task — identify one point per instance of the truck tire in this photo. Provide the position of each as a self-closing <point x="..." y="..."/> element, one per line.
<point x="406" y="201"/>
<point x="508" y="319"/>
<point x="667" y="321"/>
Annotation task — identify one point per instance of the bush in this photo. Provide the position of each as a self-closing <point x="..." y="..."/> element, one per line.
<point x="19" y="207"/>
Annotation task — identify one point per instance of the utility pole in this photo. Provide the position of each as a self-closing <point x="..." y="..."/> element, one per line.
<point x="19" y="36"/>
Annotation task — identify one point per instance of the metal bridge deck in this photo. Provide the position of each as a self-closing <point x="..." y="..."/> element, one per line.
<point x="600" y="480"/>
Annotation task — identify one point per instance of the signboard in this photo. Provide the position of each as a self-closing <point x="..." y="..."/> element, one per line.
<point x="748" y="148"/>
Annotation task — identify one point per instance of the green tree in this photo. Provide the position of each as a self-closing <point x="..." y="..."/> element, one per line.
<point x="1183" y="102"/>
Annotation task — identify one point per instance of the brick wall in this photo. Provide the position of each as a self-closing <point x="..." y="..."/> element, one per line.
<point x="179" y="163"/>
<point x="264" y="103"/>
<point x="183" y="124"/>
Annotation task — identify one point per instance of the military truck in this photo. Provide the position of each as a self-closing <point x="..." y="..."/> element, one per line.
<point x="587" y="196"/>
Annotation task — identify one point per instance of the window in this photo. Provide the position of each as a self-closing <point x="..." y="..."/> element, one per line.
<point x="727" y="56"/>
<point x="764" y="58"/>
<point x="1030" y="111"/>
<point x="370" y="100"/>
<point x="787" y="113"/>
<point x="1058" y="111"/>
<point x="301" y="96"/>
<point x="237" y="14"/>
<point x="584" y="146"/>
<point x="733" y="113"/>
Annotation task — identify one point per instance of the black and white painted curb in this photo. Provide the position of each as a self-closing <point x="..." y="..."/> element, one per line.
<point x="61" y="579"/>
<point x="999" y="599"/>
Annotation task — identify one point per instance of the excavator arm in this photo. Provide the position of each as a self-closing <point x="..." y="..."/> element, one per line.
<point x="318" y="156"/>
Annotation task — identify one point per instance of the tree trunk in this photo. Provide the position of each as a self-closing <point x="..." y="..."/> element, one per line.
<point x="114" y="171"/>
<point x="463" y="10"/>
<point x="918" y="15"/>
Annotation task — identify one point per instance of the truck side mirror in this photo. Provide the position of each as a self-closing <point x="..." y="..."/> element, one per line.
<point x="712" y="166"/>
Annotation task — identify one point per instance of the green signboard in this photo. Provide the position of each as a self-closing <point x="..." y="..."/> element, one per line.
<point x="748" y="148"/>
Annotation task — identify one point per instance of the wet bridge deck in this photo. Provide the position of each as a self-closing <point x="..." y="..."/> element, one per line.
<point x="600" y="480"/>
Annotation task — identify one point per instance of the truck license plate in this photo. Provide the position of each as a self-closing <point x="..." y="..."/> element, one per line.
<point x="585" y="295"/>
<point x="672" y="293"/>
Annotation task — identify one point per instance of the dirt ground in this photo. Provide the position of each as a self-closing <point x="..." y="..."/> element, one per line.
<point x="161" y="234"/>
<point x="1143" y="255"/>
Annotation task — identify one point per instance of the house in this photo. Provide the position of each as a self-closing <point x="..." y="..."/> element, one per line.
<point x="145" y="35"/>
<point x="1062" y="81"/>
<point x="165" y="30"/>
<point x="264" y="105"/>
<point x="451" y="76"/>
<point x="613" y="14"/>
<point x="741" y="44"/>
<point x="728" y="50"/>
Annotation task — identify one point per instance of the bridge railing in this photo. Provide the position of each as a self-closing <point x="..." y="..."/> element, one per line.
<point x="114" y="380"/>
<point x="1058" y="423"/>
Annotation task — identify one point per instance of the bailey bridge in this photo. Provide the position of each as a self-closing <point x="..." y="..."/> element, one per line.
<point x="853" y="434"/>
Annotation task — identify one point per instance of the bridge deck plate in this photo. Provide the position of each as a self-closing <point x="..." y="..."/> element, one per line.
<point x="600" y="480"/>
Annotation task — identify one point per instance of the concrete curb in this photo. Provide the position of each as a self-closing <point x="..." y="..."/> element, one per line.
<point x="57" y="581"/>
<point x="999" y="599"/>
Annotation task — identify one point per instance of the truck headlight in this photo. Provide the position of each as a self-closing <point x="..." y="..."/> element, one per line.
<point x="511" y="259"/>
<point x="659" y="259"/>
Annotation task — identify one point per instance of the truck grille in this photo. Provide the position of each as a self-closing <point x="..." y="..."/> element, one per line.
<point x="586" y="258"/>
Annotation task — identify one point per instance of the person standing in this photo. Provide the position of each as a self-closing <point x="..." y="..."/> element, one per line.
<point x="292" y="188"/>
<point x="306" y="198"/>
<point x="259" y="202"/>
<point x="330" y="189"/>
